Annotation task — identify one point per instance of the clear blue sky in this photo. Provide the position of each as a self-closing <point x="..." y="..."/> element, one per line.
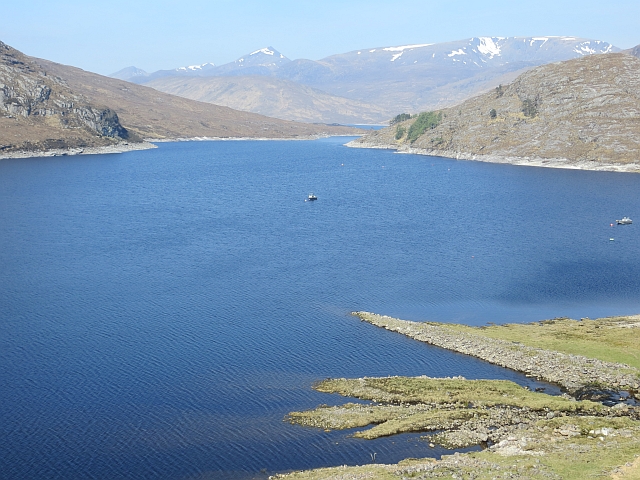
<point x="108" y="35"/>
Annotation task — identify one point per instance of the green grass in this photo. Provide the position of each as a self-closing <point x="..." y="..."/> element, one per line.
<point x="426" y="120"/>
<point x="549" y="455"/>
<point x="352" y="415"/>
<point x="608" y="339"/>
<point x="390" y="419"/>
<point x="451" y="391"/>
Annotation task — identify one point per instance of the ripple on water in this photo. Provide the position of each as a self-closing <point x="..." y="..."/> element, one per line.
<point x="162" y="311"/>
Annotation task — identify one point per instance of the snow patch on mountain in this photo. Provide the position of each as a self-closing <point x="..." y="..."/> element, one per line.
<point x="457" y="52"/>
<point x="266" y="51"/>
<point x="489" y="47"/>
<point x="194" y="68"/>
<point x="539" y="39"/>
<point x="404" y="47"/>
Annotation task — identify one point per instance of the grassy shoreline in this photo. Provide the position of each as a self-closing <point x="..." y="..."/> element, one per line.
<point x="525" y="434"/>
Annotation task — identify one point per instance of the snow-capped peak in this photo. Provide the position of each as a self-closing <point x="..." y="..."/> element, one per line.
<point x="266" y="51"/>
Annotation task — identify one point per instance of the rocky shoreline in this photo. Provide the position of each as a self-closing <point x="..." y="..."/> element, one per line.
<point x="523" y="434"/>
<point x="509" y="160"/>
<point x="576" y="374"/>
<point x="60" y="152"/>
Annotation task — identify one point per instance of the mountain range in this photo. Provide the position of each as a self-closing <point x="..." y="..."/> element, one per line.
<point x="45" y="106"/>
<point x="382" y="81"/>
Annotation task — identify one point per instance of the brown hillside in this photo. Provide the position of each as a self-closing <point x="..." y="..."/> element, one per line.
<point x="38" y="111"/>
<point x="156" y="115"/>
<point x="635" y="51"/>
<point x="273" y="97"/>
<point x="585" y="110"/>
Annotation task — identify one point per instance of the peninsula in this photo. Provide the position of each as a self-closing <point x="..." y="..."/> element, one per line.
<point x="593" y="429"/>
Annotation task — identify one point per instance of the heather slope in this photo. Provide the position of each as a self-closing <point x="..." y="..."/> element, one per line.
<point x="582" y="113"/>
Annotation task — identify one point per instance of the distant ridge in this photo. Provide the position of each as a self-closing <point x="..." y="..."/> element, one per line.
<point x="273" y="97"/>
<point x="394" y="79"/>
<point x="129" y="74"/>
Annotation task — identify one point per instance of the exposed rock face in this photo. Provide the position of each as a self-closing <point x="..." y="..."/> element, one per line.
<point x="29" y="97"/>
<point x="582" y="113"/>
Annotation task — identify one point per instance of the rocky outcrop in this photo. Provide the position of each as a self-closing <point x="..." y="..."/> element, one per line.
<point x="30" y="97"/>
<point x="582" y="113"/>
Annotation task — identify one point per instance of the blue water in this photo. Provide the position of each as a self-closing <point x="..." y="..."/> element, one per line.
<point x="163" y="310"/>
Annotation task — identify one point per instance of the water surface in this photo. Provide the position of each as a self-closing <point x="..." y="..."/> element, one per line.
<point x="163" y="310"/>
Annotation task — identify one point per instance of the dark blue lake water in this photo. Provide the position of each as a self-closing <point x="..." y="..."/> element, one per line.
<point x="161" y="311"/>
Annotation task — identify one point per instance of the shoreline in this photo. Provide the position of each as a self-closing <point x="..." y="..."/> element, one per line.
<point x="238" y="139"/>
<point x="147" y="144"/>
<point x="522" y="433"/>
<point x="65" y="152"/>
<point x="563" y="163"/>
<point x="576" y="374"/>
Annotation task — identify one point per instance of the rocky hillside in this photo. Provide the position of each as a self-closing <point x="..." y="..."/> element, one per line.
<point x="273" y="97"/>
<point x="38" y="111"/>
<point x="582" y="113"/>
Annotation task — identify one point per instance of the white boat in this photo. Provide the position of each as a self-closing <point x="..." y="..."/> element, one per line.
<point x="624" y="221"/>
<point x="311" y="197"/>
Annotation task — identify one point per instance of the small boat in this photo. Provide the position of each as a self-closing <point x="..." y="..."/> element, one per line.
<point x="624" y="221"/>
<point x="311" y="198"/>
